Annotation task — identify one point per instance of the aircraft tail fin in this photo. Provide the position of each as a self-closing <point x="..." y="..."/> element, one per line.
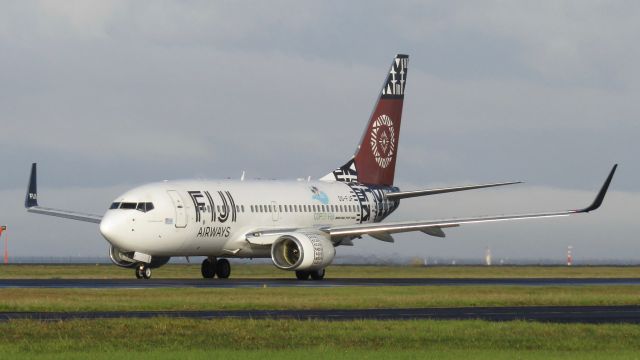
<point x="374" y="162"/>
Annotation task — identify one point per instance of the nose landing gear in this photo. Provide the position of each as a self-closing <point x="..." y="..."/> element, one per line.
<point x="212" y="266"/>
<point x="143" y="271"/>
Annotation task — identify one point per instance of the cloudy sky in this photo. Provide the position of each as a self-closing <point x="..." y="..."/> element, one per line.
<point x="107" y="95"/>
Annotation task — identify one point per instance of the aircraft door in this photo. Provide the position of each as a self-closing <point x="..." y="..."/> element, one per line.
<point x="275" y="215"/>
<point x="178" y="205"/>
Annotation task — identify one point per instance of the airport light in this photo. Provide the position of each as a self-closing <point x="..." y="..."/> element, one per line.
<point x="6" y="245"/>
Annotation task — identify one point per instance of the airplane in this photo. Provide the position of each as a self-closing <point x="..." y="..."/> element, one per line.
<point x="298" y="224"/>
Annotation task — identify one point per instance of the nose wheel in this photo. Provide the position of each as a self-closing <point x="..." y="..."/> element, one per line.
<point x="212" y="267"/>
<point x="143" y="271"/>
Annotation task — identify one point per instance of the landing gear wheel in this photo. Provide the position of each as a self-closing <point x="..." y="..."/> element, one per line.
<point x="146" y="273"/>
<point x="223" y="268"/>
<point x="143" y="271"/>
<point x="208" y="268"/>
<point x="317" y="274"/>
<point x="302" y="275"/>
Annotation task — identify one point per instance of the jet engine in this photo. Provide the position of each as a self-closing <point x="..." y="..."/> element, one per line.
<point x="125" y="259"/>
<point x="302" y="251"/>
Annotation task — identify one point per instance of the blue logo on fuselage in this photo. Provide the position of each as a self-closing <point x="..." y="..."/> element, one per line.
<point x="319" y="195"/>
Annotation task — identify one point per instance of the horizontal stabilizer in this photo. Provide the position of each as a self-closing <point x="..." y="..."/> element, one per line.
<point x="416" y="193"/>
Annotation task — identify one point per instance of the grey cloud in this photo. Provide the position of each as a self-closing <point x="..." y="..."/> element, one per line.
<point x="107" y="95"/>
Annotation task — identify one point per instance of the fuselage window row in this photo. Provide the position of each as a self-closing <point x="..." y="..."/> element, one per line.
<point x="299" y="208"/>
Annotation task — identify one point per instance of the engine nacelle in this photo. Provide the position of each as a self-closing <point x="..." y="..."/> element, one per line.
<point x="125" y="259"/>
<point x="302" y="251"/>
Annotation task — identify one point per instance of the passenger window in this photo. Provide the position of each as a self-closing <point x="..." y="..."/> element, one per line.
<point x="242" y="208"/>
<point x="115" y="205"/>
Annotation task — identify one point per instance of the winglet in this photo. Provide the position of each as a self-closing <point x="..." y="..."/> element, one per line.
<point x="31" y="199"/>
<point x="603" y="191"/>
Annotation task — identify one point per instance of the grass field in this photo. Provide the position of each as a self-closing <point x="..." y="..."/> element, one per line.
<point x="260" y="339"/>
<point x="311" y="298"/>
<point x="176" y="338"/>
<point x="107" y="271"/>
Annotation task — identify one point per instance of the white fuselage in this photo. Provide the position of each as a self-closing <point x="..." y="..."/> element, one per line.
<point x="213" y="218"/>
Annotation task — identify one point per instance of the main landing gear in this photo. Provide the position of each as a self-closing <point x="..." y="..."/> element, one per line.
<point x="212" y="266"/>
<point x="143" y="271"/>
<point x="315" y="275"/>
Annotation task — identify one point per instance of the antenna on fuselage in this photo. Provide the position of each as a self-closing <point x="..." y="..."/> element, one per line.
<point x="308" y="178"/>
<point x="242" y="176"/>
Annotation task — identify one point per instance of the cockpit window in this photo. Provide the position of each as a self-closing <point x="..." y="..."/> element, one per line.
<point x="128" y="205"/>
<point x="143" y="206"/>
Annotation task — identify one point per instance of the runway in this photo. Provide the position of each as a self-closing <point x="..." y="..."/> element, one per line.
<point x="258" y="283"/>
<point x="557" y="314"/>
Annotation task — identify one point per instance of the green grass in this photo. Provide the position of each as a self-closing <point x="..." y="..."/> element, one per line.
<point x="231" y="338"/>
<point x="283" y="339"/>
<point x="311" y="298"/>
<point x="106" y="271"/>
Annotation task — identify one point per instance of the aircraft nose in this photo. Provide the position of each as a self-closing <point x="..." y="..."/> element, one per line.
<point x="113" y="229"/>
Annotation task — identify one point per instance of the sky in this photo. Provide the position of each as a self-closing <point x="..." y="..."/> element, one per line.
<point x="108" y="95"/>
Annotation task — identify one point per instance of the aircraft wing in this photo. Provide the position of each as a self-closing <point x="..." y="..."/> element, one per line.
<point x="383" y="231"/>
<point x="31" y="203"/>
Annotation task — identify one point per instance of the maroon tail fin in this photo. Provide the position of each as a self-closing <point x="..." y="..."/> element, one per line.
<point x="374" y="162"/>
